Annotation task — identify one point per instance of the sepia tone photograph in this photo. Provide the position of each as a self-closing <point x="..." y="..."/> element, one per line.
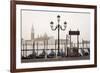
<point x="52" y="36"/>
<point x="49" y="35"/>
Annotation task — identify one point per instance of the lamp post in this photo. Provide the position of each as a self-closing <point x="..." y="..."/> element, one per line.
<point x="58" y="26"/>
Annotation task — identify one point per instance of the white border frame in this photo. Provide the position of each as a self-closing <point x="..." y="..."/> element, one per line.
<point x="20" y="65"/>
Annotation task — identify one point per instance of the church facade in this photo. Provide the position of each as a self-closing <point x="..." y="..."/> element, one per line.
<point x="44" y="45"/>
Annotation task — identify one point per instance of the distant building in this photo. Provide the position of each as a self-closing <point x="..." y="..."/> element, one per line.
<point x="47" y="43"/>
<point x="42" y="42"/>
<point x="32" y="33"/>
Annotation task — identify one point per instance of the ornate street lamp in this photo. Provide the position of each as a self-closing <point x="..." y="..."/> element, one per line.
<point x="58" y="26"/>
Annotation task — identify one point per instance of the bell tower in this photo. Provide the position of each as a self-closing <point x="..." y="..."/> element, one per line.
<point x="32" y="33"/>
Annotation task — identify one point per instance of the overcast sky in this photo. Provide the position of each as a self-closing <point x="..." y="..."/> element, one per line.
<point x="41" y="23"/>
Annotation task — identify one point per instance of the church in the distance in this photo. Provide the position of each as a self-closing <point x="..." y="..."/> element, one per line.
<point x="40" y="43"/>
<point x="46" y="46"/>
